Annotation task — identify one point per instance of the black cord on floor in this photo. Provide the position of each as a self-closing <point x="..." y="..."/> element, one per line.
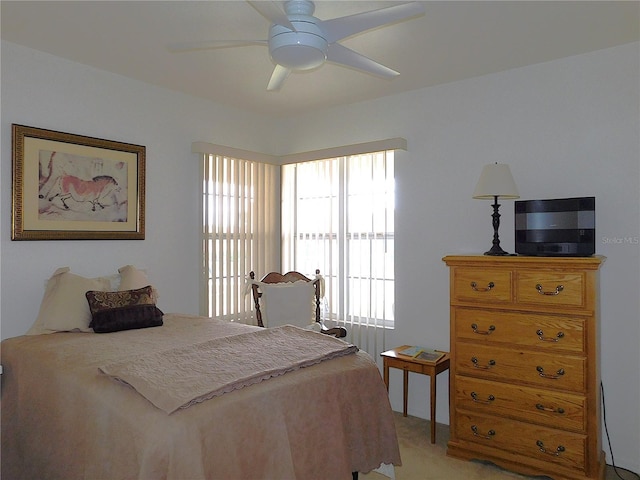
<point x="613" y="462"/>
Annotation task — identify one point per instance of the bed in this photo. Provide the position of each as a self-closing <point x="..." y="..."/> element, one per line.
<point x="67" y="415"/>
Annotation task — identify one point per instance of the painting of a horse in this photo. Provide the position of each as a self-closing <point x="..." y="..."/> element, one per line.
<point x="73" y="187"/>
<point x="99" y="191"/>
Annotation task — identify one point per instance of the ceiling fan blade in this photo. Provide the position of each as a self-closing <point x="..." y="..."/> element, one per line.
<point x="273" y="12"/>
<point x="345" y="56"/>
<point x="278" y="77"/>
<point x="342" y="27"/>
<point x="213" y="44"/>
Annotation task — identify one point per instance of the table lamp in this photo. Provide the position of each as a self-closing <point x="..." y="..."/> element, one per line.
<point x="496" y="181"/>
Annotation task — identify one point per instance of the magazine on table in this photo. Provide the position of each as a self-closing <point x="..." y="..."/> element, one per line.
<point x="422" y="353"/>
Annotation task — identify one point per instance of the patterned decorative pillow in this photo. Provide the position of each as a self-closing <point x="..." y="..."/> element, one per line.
<point x="123" y="310"/>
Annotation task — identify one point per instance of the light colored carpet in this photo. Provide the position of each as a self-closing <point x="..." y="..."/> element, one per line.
<point x="422" y="460"/>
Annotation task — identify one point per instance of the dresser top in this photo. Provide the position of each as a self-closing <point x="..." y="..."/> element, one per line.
<point x="589" y="263"/>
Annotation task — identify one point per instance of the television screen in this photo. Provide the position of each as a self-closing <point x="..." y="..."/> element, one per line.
<point x="555" y="227"/>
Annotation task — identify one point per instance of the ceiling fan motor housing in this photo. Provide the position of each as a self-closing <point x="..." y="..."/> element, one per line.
<point x="304" y="49"/>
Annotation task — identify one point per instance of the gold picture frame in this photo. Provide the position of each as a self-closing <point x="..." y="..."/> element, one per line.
<point x="73" y="187"/>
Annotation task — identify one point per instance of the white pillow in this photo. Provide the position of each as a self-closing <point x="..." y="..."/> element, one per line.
<point x="288" y="303"/>
<point x="64" y="306"/>
<point x="131" y="279"/>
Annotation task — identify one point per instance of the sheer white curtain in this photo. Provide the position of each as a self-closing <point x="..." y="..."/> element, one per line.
<point x="338" y="216"/>
<point x="241" y="214"/>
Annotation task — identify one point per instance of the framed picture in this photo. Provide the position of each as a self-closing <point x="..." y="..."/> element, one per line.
<point x="72" y="187"/>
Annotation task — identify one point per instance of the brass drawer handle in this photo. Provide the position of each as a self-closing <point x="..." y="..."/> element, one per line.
<point x="559" y="449"/>
<point x="557" y="375"/>
<point x="541" y="407"/>
<point x="474" y="327"/>
<point x="557" y="291"/>
<point x="475" y="288"/>
<point x="488" y="436"/>
<point x="557" y="338"/>
<point x="488" y="401"/>
<point x="490" y="363"/>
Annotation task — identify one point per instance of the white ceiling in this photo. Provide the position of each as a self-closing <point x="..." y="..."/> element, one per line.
<point x="454" y="40"/>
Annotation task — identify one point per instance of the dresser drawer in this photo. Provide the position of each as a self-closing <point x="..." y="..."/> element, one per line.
<point x="550" y="288"/>
<point x="481" y="285"/>
<point x="544" y="407"/>
<point x="534" y="441"/>
<point x="562" y="372"/>
<point x="548" y="332"/>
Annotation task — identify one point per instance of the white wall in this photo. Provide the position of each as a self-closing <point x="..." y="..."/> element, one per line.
<point x="567" y="128"/>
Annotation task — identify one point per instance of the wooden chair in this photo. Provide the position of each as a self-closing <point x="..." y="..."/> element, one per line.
<point x="275" y="278"/>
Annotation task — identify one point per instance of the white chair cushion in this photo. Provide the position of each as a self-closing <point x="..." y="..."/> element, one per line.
<point x="288" y="303"/>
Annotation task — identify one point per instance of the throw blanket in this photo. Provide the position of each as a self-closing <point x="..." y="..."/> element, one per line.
<point x="180" y="377"/>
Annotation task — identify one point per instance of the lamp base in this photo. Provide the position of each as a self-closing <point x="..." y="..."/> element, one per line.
<point x="497" y="251"/>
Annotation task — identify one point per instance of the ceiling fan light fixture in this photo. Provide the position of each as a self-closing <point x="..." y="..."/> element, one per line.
<point x="303" y="49"/>
<point x="305" y="55"/>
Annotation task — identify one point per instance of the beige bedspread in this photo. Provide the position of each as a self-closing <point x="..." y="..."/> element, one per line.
<point x="62" y="419"/>
<point x="181" y="377"/>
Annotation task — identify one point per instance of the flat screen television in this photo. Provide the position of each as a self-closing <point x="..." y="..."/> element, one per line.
<point x="556" y="227"/>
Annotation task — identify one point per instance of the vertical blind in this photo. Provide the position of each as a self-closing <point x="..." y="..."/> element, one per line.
<point x="240" y="211"/>
<point x="338" y="216"/>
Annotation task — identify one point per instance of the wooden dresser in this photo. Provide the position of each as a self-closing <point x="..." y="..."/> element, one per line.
<point x="525" y="379"/>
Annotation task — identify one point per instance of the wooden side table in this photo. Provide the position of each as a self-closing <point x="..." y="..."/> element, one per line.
<point x="392" y="359"/>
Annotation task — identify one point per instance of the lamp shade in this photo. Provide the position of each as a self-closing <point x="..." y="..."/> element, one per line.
<point x="496" y="181"/>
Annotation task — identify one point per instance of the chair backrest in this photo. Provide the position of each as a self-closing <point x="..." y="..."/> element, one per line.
<point x="279" y="278"/>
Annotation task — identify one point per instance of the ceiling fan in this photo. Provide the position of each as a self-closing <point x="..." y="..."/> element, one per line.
<point x="299" y="41"/>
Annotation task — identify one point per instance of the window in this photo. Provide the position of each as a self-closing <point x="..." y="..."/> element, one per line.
<point x="240" y="233"/>
<point x="338" y="216"/>
<point x="335" y="214"/>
